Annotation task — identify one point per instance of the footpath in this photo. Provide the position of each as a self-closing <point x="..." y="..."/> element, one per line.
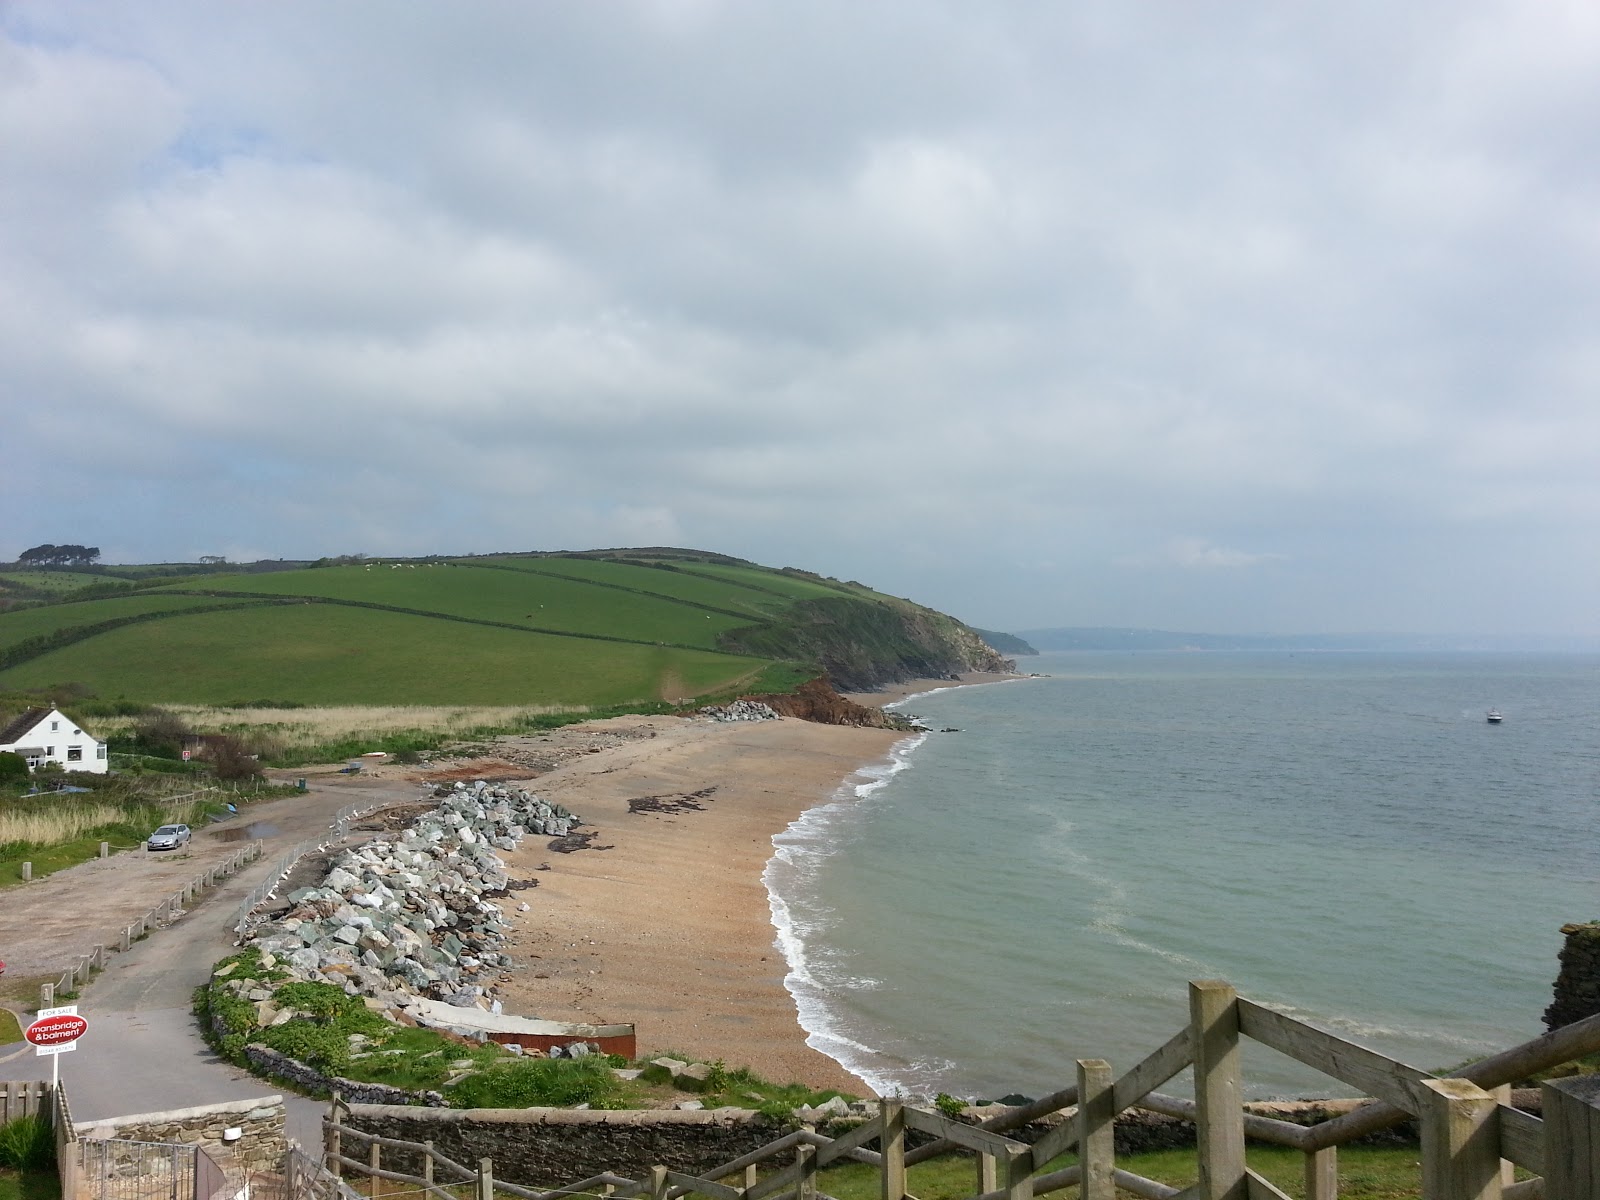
<point x="142" y="1052"/>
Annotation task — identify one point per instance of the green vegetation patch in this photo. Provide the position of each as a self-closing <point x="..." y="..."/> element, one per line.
<point x="1365" y="1173"/>
<point x="801" y="585"/>
<point x="28" y="1144"/>
<point x="533" y="601"/>
<point x="332" y="654"/>
<point x="10" y="1029"/>
<point x="28" y="623"/>
<point x="50" y="581"/>
<point x="662" y="579"/>
<point x="542" y="1082"/>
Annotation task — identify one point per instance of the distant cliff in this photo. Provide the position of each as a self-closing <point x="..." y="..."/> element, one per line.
<point x="1006" y="643"/>
<point x="868" y="641"/>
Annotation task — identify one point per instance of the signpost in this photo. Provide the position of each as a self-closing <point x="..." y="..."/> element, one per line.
<point x="55" y="1031"/>
<point x="185" y="756"/>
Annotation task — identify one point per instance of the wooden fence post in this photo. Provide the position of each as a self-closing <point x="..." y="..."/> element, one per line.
<point x="805" y="1184"/>
<point x="105" y="849"/>
<point x="1097" y="1117"/>
<point x="658" y="1184"/>
<point x="331" y="1138"/>
<point x="427" y="1161"/>
<point x="47" y="995"/>
<point x="1019" y="1174"/>
<point x="486" y="1179"/>
<point x="1460" y="1141"/>
<point x="988" y="1174"/>
<point x="375" y="1161"/>
<point x="1572" y="1137"/>
<point x="1218" y="1090"/>
<point x="892" y="1143"/>
<point x="1322" y="1174"/>
<point x="27" y="872"/>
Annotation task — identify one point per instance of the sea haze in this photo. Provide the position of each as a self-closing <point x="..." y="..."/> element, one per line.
<point x="1341" y="836"/>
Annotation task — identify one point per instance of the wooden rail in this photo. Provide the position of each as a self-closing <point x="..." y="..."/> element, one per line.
<point x="1471" y="1137"/>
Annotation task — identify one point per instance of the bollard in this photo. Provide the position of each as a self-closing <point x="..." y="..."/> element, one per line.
<point x="105" y="849"/>
<point x="27" y="872"/>
<point x="47" y="995"/>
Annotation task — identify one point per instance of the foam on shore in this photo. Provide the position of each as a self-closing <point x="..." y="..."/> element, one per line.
<point x="798" y="853"/>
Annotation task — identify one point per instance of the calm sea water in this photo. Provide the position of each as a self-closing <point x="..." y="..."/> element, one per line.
<point x="1341" y="836"/>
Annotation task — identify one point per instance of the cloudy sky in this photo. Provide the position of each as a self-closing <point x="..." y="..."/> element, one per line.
<point x="1231" y="318"/>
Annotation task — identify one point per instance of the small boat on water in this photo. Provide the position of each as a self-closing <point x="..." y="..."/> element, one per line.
<point x="1494" y="716"/>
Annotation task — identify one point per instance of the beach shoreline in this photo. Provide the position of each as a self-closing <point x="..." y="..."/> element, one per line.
<point x="664" y="921"/>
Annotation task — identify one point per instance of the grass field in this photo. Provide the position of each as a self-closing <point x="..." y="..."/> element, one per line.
<point x="36" y="622"/>
<point x="51" y="581"/>
<point x="328" y="654"/>
<point x="485" y="594"/>
<point x="1365" y="1173"/>
<point x="681" y="584"/>
<point x="601" y="630"/>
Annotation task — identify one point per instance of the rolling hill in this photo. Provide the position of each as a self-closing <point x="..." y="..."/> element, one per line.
<point x="597" y="628"/>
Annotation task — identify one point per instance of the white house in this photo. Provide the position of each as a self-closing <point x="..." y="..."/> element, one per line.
<point x="44" y="735"/>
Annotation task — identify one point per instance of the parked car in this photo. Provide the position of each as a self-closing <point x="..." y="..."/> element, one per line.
<point x="168" y="837"/>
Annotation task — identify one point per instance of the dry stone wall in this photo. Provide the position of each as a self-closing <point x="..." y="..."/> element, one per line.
<point x="260" y="1146"/>
<point x="549" y="1146"/>
<point x="1577" y="987"/>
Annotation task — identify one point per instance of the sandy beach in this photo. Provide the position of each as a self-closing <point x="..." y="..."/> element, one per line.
<point x="664" y="920"/>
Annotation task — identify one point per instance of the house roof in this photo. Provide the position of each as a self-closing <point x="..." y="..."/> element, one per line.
<point x="29" y="718"/>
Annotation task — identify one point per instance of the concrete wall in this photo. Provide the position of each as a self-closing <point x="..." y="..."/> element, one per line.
<point x="261" y="1147"/>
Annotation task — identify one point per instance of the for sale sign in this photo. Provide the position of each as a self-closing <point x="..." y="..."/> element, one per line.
<point x="56" y="1030"/>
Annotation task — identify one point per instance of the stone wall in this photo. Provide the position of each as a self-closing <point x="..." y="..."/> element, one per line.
<point x="550" y="1146"/>
<point x="1577" y="987"/>
<point x="296" y="1073"/>
<point x="260" y="1147"/>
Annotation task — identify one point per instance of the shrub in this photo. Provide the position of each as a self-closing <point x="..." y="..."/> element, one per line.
<point x="161" y="733"/>
<point x="28" y="1143"/>
<point x="12" y="766"/>
<point x="540" y="1082"/>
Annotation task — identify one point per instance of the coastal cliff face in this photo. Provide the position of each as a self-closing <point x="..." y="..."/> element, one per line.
<point x="865" y="643"/>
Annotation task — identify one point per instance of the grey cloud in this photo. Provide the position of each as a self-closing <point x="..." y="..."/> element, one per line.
<point x="884" y="291"/>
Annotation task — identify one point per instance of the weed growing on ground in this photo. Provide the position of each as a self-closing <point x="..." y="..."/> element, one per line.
<point x="28" y="1143"/>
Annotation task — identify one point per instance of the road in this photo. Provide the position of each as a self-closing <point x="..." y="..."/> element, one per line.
<point x="142" y="1052"/>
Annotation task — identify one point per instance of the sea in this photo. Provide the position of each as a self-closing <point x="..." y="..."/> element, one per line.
<point x="1343" y="837"/>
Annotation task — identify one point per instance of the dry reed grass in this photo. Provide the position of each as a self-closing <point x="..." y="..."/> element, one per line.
<point x="67" y="821"/>
<point x="305" y="728"/>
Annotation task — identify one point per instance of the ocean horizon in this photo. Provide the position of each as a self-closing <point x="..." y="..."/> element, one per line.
<point x="1342" y="836"/>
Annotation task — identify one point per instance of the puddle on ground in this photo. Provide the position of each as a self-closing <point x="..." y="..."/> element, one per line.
<point x="247" y="833"/>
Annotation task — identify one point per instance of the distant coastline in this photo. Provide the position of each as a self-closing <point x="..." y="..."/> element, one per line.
<point x="1096" y="638"/>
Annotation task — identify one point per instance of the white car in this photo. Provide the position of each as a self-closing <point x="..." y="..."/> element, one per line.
<point x="168" y="837"/>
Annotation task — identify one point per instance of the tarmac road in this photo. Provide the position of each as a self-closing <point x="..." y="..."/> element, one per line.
<point x="142" y="1052"/>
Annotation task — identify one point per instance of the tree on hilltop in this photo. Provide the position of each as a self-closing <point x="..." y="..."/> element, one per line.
<point x="49" y="555"/>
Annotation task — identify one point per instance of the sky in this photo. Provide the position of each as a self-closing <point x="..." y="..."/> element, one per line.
<point x="1230" y="318"/>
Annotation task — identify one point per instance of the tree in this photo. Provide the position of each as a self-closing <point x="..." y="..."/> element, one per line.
<point x="49" y="555"/>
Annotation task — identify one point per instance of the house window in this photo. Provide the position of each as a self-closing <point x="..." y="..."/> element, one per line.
<point x="74" y="753"/>
<point x="54" y="725"/>
<point x="100" y="752"/>
<point x="49" y="751"/>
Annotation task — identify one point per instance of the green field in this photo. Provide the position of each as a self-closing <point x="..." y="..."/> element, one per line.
<point x="27" y="623"/>
<point x="678" y="584"/>
<point x="336" y="654"/>
<point x="50" y="581"/>
<point x="485" y="594"/>
<point x="586" y="629"/>
<point x="795" y="586"/>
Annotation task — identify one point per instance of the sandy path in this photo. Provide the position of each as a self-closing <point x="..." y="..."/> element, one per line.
<point x="669" y="927"/>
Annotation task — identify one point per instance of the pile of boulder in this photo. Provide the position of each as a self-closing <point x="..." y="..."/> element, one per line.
<point x="740" y="710"/>
<point x="412" y="914"/>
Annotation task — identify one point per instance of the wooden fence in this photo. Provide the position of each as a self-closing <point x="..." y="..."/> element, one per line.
<point x="74" y="977"/>
<point x="1471" y="1138"/>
